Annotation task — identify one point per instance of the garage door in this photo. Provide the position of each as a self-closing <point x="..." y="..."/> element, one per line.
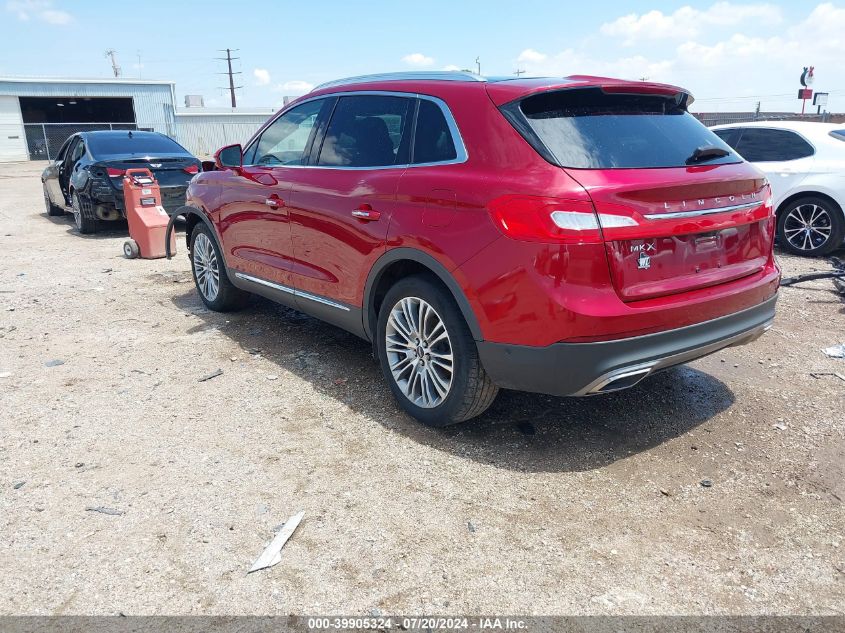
<point x="12" y="139"/>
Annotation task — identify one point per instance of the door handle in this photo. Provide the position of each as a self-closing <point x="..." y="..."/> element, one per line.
<point x="274" y="202"/>
<point x="368" y="215"/>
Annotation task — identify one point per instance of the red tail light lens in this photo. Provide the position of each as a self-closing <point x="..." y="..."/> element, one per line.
<point x="115" y="173"/>
<point x="537" y="219"/>
<point x="191" y="169"/>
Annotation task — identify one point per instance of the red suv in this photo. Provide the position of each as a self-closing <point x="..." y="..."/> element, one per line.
<point x="563" y="236"/>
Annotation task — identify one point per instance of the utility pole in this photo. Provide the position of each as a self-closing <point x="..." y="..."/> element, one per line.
<point x="518" y="72"/>
<point x="114" y="65"/>
<point x="232" y="87"/>
<point x="478" y="64"/>
<point x="139" y="64"/>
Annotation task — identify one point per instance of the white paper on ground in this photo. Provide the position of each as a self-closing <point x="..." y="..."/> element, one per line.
<point x="272" y="554"/>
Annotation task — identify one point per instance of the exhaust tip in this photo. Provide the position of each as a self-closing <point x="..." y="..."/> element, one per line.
<point x="621" y="381"/>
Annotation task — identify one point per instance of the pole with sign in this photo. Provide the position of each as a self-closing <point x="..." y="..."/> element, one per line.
<point x="806" y="92"/>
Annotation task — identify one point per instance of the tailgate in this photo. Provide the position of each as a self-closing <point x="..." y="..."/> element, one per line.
<point x="679" y="229"/>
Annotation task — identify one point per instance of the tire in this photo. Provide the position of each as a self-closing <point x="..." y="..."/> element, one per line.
<point x="210" y="277"/>
<point x="52" y="209"/>
<point x="436" y="399"/>
<point x="811" y="226"/>
<point x="131" y="250"/>
<point x="83" y="214"/>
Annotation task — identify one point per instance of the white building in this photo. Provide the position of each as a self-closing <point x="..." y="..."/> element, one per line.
<point x="37" y="114"/>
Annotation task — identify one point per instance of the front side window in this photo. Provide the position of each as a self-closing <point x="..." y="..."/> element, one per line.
<point x="760" y="145"/>
<point x="285" y="140"/>
<point x="591" y="129"/>
<point x="433" y="141"/>
<point x="368" y="131"/>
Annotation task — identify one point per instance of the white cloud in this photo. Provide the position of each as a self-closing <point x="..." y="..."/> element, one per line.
<point x="726" y="70"/>
<point x="688" y="22"/>
<point x="530" y="55"/>
<point x="418" y="59"/>
<point x="295" y="87"/>
<point x="262" y="76"/>
<point x="43" y="10"/>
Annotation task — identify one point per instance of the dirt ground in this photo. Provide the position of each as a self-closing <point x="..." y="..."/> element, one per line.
<point x="542" y="506"/>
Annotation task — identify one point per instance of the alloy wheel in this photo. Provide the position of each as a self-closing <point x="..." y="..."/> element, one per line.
<point x="206" y="270"/>
<point x="807" y="227"/>
<point x="419" y="352"/>
<point x="77" y="212"/>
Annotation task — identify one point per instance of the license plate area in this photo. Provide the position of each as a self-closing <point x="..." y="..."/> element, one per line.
<point x="662" y="265"/>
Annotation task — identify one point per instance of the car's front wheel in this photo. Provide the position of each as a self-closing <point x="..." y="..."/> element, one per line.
<point x="811" y="226"/>
<point x="213" y="285"/>
<point x="428" y="355"/>
<point x="83" y="214"/>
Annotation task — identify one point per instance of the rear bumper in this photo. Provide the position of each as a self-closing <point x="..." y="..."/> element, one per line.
<point x="580" y="369"/>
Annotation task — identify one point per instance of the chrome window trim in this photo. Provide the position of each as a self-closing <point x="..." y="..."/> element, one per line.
<point x="700" y="212"/>
<point x="462" y="155"/>
<point x="292" y="291"/>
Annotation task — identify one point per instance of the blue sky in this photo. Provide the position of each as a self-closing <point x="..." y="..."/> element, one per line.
<point x="730" y="54"/>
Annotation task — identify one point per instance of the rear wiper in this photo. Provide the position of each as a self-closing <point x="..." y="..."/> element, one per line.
<point x="706" y="152"/>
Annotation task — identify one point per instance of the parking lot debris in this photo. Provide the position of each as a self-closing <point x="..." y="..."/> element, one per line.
<point x="706" y="483"/>
<point x="665" y="492"/>
<point x="54" y="363"/>
<point x="471" y="526"/>
<point x="819" y="374"/>
<point x="272" y="377"/>
<point x="836" y="351"/>
<point x="272" y="554"/>
<point x="780" y="426"/>
<point x="5" y="374"/>
<point x="214" y="374"/>
<point x="104" y="510"/>
<point x="19" y="485"/>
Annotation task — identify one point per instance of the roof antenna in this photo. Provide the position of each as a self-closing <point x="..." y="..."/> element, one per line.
<point x="130" y="133"/>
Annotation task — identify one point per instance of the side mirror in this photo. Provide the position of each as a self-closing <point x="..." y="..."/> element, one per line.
<point x="231" y="156"/>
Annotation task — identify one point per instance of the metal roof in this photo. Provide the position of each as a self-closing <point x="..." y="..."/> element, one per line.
<point x="84" y="80"/>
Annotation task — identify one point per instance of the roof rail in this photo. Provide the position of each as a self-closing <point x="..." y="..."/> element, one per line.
<point x="423" y="75"/>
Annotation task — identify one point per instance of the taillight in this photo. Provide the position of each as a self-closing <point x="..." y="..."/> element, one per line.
<point x="537" y="219"/>
<point x="191" y="169"/>
<point x="115" y="173"/>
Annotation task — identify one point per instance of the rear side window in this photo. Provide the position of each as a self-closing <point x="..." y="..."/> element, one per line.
<point x="760" y="145"/>
<point x="589" y="129"/>
<point x="433" y="141"/>
<point x="839" y="135"/>
<point x="730" y="136"/>
<point x="368" y="131"/>
<point x="136" y="145"/>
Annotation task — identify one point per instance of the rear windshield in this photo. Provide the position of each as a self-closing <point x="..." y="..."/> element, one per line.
<point x="589" y="129"/>
<point x="140" y="145"/>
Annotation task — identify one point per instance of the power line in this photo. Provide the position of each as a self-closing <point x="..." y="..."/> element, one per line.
<point x="232" y="87"/>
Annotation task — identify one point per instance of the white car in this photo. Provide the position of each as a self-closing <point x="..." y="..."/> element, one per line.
<point x="805" y="164"/>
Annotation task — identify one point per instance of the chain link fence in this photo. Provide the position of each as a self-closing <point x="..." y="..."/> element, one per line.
<point x="43" y="140"/>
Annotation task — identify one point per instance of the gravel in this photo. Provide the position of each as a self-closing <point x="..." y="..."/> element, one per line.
<point x="542" y="506"/>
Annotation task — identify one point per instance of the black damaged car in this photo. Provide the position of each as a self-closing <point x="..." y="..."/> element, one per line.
<point x="86" y="178"/>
